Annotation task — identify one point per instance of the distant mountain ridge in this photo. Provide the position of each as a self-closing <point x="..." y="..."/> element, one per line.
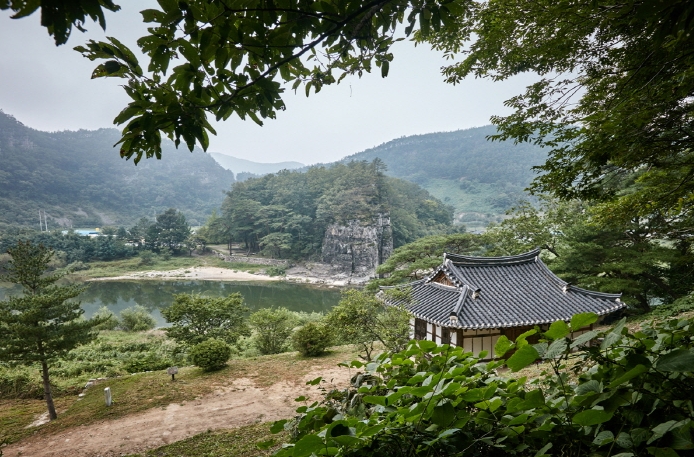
<point x="79" y="179"/>
<point x="481" y="179"/>
<point x="237" y="165"/>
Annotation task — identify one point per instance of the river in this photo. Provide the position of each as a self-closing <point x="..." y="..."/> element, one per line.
<point x="155" y="295"/>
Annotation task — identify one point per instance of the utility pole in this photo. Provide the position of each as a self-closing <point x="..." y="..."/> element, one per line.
<point x="43" y="222"/>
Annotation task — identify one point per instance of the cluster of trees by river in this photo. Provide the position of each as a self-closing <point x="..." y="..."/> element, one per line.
<point x="286" y="214"/>
<point x="168" y="234"/>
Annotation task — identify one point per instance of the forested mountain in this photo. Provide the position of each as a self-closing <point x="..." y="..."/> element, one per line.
<point x="286" y="214"/>
<point x="79" y="179"/>
<point x="478" y="177"/>
<point x="247" y="166"/>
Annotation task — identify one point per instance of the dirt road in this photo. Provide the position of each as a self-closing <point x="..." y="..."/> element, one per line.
<point x="241" y="403"/>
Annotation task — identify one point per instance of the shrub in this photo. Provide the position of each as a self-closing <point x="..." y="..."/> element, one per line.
<point x="78" y="266"/>
<point x="165" y="254"/>
<point x="679" y="306"/>
<point x="136" y="319"/>
<point x="275" y="271"/>
<point x="20" y="382"/>
<point x="147" y="257"/>
<point x="104" y="313"/>
<point x="362" y="319"/>
<point x="628" y="395"/>
<point x="273" y="328"/>
<point x="304" y="317"/>
<point x="210" y="355"/>
<point x="147" y="361"/>
<point x="195" y="318"/>
<point x="312" y="339"/>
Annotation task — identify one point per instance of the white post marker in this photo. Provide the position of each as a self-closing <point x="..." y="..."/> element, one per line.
<point x="107" y="396"/>
<point x="173" y="371"/>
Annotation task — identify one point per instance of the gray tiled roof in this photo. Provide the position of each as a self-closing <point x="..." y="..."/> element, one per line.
<point x="513" y="291"/>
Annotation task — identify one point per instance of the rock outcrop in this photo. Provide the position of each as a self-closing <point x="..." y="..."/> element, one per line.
<point x="357" y="248"/>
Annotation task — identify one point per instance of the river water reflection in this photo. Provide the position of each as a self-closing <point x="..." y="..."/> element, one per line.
<point x="155" y="295"/>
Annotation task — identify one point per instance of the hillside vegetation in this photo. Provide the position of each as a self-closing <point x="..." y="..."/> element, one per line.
<point x="79" y="179"/>
<point x="286" y="214"/>
<point x="481" y="179"/>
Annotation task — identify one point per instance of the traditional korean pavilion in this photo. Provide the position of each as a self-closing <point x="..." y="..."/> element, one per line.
<point x="472" y="301"/>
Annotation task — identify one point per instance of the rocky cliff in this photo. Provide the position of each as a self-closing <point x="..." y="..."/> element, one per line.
<point x="357" y="248"/>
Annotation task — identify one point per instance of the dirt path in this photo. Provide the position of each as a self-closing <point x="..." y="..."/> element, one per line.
<point x="242" y="403"/>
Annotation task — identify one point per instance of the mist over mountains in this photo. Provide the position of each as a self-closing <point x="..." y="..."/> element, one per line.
<point x="239" y="166"/>
<point x="79" y="179"/>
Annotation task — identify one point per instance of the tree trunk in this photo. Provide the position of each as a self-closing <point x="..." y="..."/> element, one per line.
<point x="47" y="391"/>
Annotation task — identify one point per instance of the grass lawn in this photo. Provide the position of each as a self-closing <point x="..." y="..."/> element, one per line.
<point x="240" y="442"/>
<point x="140" y="392"/>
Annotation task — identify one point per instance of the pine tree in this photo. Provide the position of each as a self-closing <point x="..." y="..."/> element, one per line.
<point x="43" y="324"/>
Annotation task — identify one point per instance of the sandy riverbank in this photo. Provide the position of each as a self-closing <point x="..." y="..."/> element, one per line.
<point x="223" y="274"/>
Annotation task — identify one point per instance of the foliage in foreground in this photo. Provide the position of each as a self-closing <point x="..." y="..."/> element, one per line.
<point x="629" y="395"/>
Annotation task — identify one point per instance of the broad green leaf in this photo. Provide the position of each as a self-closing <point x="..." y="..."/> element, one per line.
<point x="583" y="338"/>
<point x="558" y="329"/>
<point x="522" y="358"/>
<point x="662" y="452"/>
<point x="623" y="440"/>
<point x="338" y="429"/>
<point x="588" y="387"/>
<point x="592" y="417"/>
<point x="278" y="426"/>
<point x="443" y="414"/>
<point x="521" y="340"/>
<point x="578" y="321"/>
<point x="376" y="400"/>
<point x="682" y="438"/>
<point x="519" y="420"/>
<point x="346" y="440"/>
<point x="661" y="429"/>
<point x="308" y="445"/>
<point x="677" y="360"/>
<point x="603" y="438"/>
<point x="637" y="370"/>
<point x="533" y="399"/>
<point x="426" y="345"/>
<point x="614" y="335"/>
<point x="544" y="449"/>
<point x="373" y="430"/>
<point x="474" y="395"/>
<point x="556" y="349"/>
<point x="448" y="432"/>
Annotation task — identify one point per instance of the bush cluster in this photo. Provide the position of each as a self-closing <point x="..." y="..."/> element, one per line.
<point x="210" y="355"/>
<point x="136" y="319"/>
<point x="611" y="393"/>
<point x="312" y="339"/>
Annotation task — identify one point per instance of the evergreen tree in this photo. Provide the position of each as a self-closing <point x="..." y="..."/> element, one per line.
<point x="43" y="324"/>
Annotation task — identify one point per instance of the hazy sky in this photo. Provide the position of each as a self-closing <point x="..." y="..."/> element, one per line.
<point x="49" y="88"/>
